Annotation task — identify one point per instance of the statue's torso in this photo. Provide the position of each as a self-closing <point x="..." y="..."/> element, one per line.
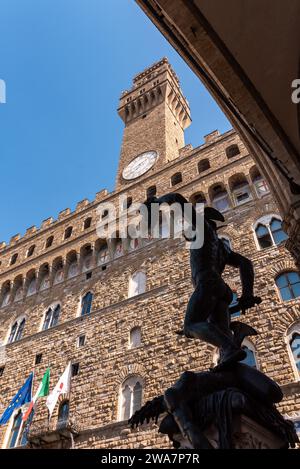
<point x="211" y="258"/>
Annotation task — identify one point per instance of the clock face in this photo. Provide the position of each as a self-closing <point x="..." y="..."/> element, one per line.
<point x="140" y="165"/>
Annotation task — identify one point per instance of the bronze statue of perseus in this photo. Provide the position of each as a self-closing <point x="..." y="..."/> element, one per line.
<point x="208" y="316"/>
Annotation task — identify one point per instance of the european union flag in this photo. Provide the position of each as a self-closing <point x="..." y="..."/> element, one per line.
<point x="22" y="397"/>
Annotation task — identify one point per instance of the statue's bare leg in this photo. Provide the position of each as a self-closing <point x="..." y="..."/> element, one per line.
<point x="207" y="319"/>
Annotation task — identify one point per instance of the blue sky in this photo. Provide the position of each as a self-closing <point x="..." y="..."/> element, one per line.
<point x="65" y="63"/>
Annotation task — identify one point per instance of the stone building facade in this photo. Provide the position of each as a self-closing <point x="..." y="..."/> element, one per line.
<point x="112" y="307"/>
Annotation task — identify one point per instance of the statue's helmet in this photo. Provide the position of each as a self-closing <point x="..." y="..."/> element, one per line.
<point x="212" y="215"/>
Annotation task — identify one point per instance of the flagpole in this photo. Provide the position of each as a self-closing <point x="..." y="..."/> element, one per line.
<point x="70" y="387"/>
<point x="33" y="376"/>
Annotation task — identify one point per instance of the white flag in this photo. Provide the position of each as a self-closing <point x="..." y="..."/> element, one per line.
<point x="62" y="387"/>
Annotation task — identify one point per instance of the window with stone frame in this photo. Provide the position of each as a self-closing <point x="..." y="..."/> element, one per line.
<point x="31" y="250"/>
<point x="6" y="293"/>
<point x="87" y="223"/>
<point x="294" y="344"/>
<point x="232" y="151"/>
<point x="103" y="255"/>
<point x="68" y="232"/>
<point x="51" y="317"/>
<point x="86" y="304"/>
<point x="220" y="199"/>
<point x="176" y="179"/>
<point x="203" y="165"/>
<point x="14" y="258"/>
<point x="137" y="284"/>
<point x="234" y="303"/>
<point x="16" y="331"/>
<point x="269" y="232"/>
<point x="288" y="284"/>
<point x="63" y="415"/>
<point x="31" y="290"/>
<point x="49" y="242"/>
<point x="135" y="337"/>
<point x="131" y="397"/>
<point x="250" y="359"/>
<point x="19" y="430"/>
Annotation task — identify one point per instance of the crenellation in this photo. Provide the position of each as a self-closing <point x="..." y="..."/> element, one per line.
<point x="30" y="231"/>
<point x="64" y="214"/>
<point x="82" y="204"/>
<point x="46" y="223"/>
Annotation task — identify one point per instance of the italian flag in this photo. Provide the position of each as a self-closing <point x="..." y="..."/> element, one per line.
<point x="43" y="390"/>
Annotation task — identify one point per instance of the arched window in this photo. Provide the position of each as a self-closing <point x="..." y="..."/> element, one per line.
<point x="295" y="349"/>
<point x="203" y="165"/>
<point x="86" y="254"/>
<point x="5" y="295"/>
<point x="288" y="284"/>
<point x="234" y="303"/>
<point x="269" y="232"/>
<point x="15" y="430"/>
<point x="14" y="258"/>
<point x="49" y="242"/>
<point x="277" y="232"/>
<point x="87" y="223"/>
<point x="151" y="192"/>
<point x="31" y="290"/>
<point x="68" y="232"/>
<point x="59" y="276"/>
<point x="45" y="282"/>
<point x="86" y="303"/>
<point x="63" y="415"/>
<point x="198" y="198"/>
<point x="31" y="250"/>
<point x="51" y="317"/>
<point x="44" y="277"/>
<point x="240" y="189"/>
<point x="263" y="236"/>
<point x="72" y="265"/>
<point x="103" y="255"/>
<point x="118" y="249"/>
<point x="16" y="331"/>
<point x="219" y="198"/>
<point x="176" y="179"/>
<point x="250" y="359"/>
<point x="137" y="284"/>
<point x="131" y="397"/>
<point x="23" y="438"/>
<point x="261" y="187"/>
<point x="18" y="289"/>
<point x="135" y="338"/>
<point x="232" y="150"/>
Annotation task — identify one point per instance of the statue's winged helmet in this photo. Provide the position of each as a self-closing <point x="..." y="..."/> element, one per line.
<point x="212" y="215"/>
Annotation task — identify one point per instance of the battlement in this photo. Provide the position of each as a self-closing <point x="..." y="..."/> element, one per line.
<point x="50" y="221"/>
<point x="153" y="70"/>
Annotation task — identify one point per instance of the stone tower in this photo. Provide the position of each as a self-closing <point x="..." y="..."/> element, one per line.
<point x="155" y="114"/>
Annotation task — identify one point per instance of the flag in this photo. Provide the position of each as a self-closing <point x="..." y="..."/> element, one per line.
<point x="42" y="390"/>
<point x="23" y="396"/>
<point x="62" y="387"/>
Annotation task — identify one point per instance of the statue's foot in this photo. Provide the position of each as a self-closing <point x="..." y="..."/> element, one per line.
<point x="229" y="359"/>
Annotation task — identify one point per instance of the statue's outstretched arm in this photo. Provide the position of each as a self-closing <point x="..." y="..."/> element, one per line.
<point x="247" y="299"/>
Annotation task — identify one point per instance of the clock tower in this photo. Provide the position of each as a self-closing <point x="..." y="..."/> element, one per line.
<point x="155" y="114"/>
